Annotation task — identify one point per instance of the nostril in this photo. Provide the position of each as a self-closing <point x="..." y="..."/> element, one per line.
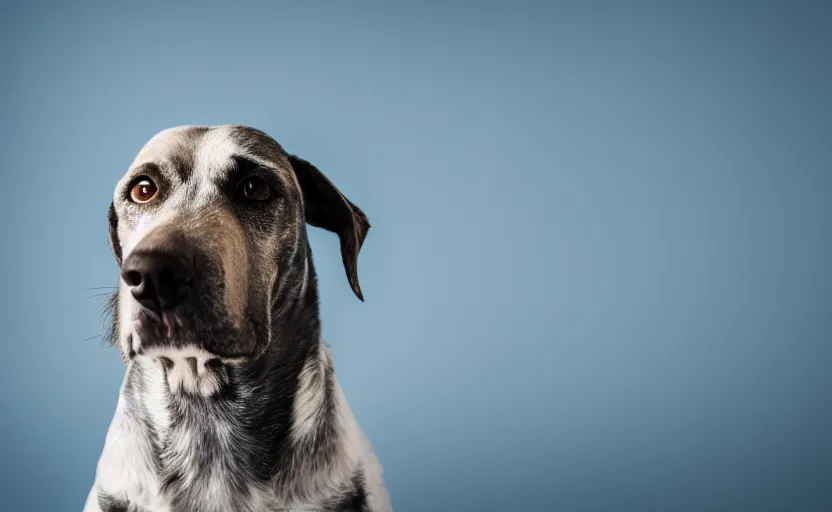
<point x="158" y="280"/>
<point x="133" y="278"/>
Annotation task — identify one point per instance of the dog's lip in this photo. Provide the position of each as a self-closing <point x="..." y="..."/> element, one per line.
<point x="141" y="326"/>
<point x="166" y="352"/>
<point x="166" y="320"/>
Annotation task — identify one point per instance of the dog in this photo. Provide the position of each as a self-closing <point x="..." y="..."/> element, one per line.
<point x="229" y="401"/>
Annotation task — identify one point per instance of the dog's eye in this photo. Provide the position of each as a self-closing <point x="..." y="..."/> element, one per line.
<point x="143" y="190"/>
<point x="255" y="189"/>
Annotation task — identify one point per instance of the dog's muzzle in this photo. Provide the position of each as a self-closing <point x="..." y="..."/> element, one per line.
<point x="162" y="282"/>
<point x="159" y="279"/>
<point x="176" y="291"/>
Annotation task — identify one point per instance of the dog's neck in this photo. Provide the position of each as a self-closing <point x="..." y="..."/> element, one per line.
<point x="280" y="417"/>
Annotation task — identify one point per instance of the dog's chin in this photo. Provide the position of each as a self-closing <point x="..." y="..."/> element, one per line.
<point x="174" y="332"/>
<point x="188" y="366"/>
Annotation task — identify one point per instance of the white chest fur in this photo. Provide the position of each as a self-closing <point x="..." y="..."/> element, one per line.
<point x="130" y="464"/>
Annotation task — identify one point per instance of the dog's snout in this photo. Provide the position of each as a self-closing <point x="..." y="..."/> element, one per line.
<point x="159" y="280"/>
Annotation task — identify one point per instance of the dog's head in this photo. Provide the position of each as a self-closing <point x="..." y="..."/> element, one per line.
<point x="208" y="226"/>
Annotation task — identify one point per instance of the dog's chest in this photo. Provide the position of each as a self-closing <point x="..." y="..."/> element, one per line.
<point x="163" y="455"/>
<point x="179" y="458"/>
<point x="179" y="469"/>
<point x="197" y="471"/>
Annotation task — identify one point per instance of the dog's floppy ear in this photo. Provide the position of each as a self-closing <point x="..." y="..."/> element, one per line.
<point x="115" y="243"/>
<point x="327" y="208"/>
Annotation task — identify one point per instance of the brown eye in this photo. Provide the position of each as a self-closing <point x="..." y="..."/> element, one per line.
<point x="255" y="189"/>
<point x="143" y="190"/>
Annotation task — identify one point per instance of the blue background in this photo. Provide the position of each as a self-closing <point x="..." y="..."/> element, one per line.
<point x="598" y="275"/>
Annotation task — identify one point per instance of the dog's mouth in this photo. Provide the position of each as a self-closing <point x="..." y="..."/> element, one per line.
<point x="171" y="341"/>
<point x="152" y="330"/>
<point x="187" y="365"/>
<point x="157" y="329"/>
<point x="173" y="331"/>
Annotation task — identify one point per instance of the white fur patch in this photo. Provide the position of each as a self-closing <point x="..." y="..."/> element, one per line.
<point x="186" y="371"/>
<point x="215" y="150"/>
<point x="125" y="318"/>
<point x="123" y="463"/>
<point x="139" y="231"/>
<point x="309" y="396"/>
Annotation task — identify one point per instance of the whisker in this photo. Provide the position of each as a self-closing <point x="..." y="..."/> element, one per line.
<point x="101" y="288"/>
<point x="97" y="295"/>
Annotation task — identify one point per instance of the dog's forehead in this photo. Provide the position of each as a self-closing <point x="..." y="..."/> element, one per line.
<point x="208" y="150"/>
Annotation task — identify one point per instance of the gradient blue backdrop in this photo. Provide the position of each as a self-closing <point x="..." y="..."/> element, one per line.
<point x="598" y="275"/>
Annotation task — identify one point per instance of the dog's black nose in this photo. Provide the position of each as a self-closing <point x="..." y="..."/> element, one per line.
<point x="159" y="280"/>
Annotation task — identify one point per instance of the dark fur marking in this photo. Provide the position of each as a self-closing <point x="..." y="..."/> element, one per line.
<point x="109" y="503"/>
<point x="115" y="243"/>
<point x="325" y="207"/>
<point x="353" y="498"/>
<point x="170" y="481"/>
<point x="182" y="157"/>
